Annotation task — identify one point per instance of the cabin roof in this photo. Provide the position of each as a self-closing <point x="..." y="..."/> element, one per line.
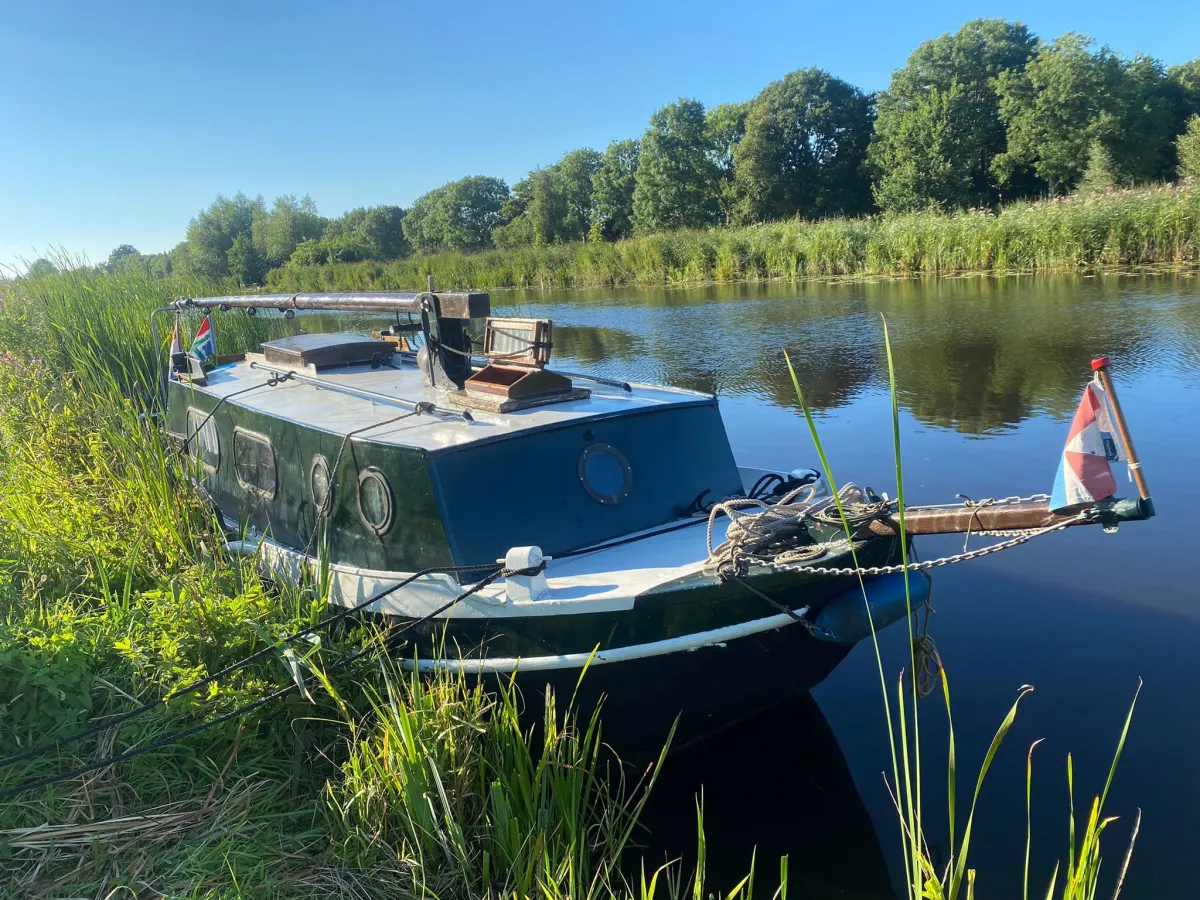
<point x="339" y="412"/>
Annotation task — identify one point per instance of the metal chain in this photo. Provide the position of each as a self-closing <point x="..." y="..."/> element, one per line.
<point x="1022" y="538"/>
<point x="988" y="501"/>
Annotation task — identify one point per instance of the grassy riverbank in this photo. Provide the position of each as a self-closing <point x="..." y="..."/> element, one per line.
<point x="1151" y="226"/>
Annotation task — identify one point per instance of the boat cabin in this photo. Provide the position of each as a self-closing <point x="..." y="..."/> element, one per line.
<point x="432" y="457"/>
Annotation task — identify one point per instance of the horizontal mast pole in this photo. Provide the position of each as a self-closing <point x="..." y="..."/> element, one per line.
<point x="960" y="519"/>
<point x="453" y="305"/>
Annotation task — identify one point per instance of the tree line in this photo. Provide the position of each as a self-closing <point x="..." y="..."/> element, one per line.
<point x="976" y="118"/>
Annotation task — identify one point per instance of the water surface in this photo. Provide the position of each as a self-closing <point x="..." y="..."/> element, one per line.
<point x="990" y="371"/>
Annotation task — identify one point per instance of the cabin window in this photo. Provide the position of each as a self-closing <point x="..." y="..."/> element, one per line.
<point x="319" y="482"/>
<point x="375" y="501"/>
<point x="254" y="462"/>
<point x="202" y="441"/>
<point x="605" y="474"/>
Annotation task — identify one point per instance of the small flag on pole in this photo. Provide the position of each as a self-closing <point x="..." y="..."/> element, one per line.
<point x="1085" y="471"/>
<point x="176" y="339"/>
<point x="204" y="347"/>
<point x="176" y="345"/>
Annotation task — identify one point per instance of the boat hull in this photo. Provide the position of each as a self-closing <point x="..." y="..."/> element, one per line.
<point x="701" y="681"/>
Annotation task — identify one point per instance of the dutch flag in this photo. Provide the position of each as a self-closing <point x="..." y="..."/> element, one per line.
<point x="1085" y="471"/>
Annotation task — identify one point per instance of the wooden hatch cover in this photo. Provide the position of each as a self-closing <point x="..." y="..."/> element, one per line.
<point x="516" y="377"/>
<point x="325" y="350"/>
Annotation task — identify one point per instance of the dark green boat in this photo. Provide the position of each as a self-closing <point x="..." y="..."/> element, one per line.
<point x="397" y="453"/>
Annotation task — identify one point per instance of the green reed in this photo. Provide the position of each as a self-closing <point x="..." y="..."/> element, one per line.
<point x="1142" y="227"/>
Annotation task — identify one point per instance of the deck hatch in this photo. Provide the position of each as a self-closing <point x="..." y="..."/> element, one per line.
<point x="324" y="350"/>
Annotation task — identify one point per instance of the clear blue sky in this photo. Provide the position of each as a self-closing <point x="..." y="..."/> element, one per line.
<point x="120" y="120"/>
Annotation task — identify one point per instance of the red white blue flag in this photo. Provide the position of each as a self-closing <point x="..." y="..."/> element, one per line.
<point x="1085" y="473"/>
<point x="204" y="346"/>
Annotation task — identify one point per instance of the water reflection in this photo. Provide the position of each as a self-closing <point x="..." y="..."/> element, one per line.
<point x="777" y="785"/>
<point x="977" y="355"/>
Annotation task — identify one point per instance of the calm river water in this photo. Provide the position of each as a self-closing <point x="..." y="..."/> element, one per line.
<point x="990" y="372"/>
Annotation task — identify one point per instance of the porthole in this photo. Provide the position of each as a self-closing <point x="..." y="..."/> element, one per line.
<point x="605" y="474"/>
<point x="254" y="462"/>
<point x="319" y="482"/>
<point x="375" y="501"/>
<point x="201" y="441"/>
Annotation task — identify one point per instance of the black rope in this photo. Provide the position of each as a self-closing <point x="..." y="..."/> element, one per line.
<point x="596" y="548"/>
<point x="765" y="483"/>
<point x="120" y="718"/>
<point x="177" y="736"/>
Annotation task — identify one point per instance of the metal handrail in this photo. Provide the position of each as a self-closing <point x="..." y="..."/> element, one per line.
<point x="363" y="392"/>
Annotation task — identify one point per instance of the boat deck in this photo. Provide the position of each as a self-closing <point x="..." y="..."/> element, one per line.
<point x="336" y="408"/>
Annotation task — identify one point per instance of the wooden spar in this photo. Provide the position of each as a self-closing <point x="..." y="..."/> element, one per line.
<point x="451" y="305"/>
<point x="1100" y="365"/>
<point x="959" y="519"/>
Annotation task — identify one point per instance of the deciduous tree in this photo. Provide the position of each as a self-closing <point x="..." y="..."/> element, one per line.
<point x="574" y="174"/>
<point x="458" y="216"/>
<point x="119" y="257"/>
<point x="938" y="127"/>
<point x="612" y="192"/>
<point x="1183" y="91"/>
<point x="1188" y="147"/>
<point x="246" y="264"/>
<point x="278" y="231"/>
<point x="1067" y="97"/>
<point x="724" y="126"/>
<point x="40" y="268"/>
<point x="676" y="181"/>
<point x="211" y="233"/>
<point x="803" y="150"/>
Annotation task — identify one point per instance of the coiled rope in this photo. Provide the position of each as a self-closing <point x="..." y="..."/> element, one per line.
<point x="760" y="530"/>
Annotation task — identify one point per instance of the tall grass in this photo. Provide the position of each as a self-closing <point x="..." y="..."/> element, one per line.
<point x="1148" y="226"/>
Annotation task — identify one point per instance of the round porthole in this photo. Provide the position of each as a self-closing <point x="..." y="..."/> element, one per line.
<point x="375" y="501"/>
<point x="320" y="482"/>
<point x="605" y="474"/>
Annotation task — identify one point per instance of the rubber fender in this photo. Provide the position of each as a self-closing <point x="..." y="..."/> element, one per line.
<point x="844" y="620"/>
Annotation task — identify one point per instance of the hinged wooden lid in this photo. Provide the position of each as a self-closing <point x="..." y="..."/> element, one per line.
<point x="517" y="342"/>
